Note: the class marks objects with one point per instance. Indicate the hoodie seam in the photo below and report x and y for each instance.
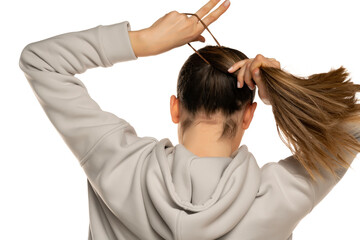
(84, 159)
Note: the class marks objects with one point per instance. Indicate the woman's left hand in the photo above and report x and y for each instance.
(174, 30)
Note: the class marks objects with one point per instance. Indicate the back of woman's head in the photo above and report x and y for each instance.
(316, 117)
(209, 88)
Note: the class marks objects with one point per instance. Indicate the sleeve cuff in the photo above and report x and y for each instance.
(116, 42)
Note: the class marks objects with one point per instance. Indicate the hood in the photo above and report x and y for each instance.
(202, 197)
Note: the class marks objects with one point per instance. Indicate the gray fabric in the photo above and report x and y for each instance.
(142, 188)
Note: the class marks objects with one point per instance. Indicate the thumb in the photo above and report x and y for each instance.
(200, 38)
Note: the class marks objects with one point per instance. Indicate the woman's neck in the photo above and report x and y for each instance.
(202, 140)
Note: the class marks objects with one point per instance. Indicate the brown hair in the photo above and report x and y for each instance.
(311, 113)
(205, 89)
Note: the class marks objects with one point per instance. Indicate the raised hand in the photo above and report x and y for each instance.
(174, 30)
(250, 73)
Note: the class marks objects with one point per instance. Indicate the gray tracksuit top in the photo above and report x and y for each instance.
(142, 188)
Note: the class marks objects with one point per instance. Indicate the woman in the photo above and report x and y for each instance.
(206, 187)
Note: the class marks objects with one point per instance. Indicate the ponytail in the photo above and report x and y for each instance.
(311, 116)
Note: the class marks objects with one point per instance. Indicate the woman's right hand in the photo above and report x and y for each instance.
(250, 73)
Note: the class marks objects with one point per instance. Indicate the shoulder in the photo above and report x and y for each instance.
(287, 185)
(121, 143)
(284, 198)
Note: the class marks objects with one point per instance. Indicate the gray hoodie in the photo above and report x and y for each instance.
(142, 188)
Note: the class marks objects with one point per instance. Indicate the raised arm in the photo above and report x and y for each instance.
(109, 151)
(50, 66)
(319, 119)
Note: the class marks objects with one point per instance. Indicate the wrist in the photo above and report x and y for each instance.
(140, 43)
(136, 42)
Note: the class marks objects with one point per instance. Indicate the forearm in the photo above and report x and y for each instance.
(75, 52)
(50, 66)
(140, 43)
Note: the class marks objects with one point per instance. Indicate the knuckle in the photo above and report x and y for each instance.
(173, 13)
(183, 17)
(193, 20)
(259, 57)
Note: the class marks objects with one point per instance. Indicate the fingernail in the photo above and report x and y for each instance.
(231, 68)
(238, 85)
(226, 3)
(251, 88)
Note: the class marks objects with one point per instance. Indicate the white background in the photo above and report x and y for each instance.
(43, 188)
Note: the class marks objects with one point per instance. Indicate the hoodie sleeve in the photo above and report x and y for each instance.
(291, 194)
(50, 65)
(107, 147)
(323, 186)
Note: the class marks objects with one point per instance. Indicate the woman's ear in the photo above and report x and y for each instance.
(248, 115)
(174, 109)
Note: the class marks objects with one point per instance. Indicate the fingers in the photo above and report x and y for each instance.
(249, 68)
(244, 74)
(260, 60)
(249, 73)
(237, 65)
(212, 17)
(206, 8)
(275, 63)
(241, 74)
(247, 77)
